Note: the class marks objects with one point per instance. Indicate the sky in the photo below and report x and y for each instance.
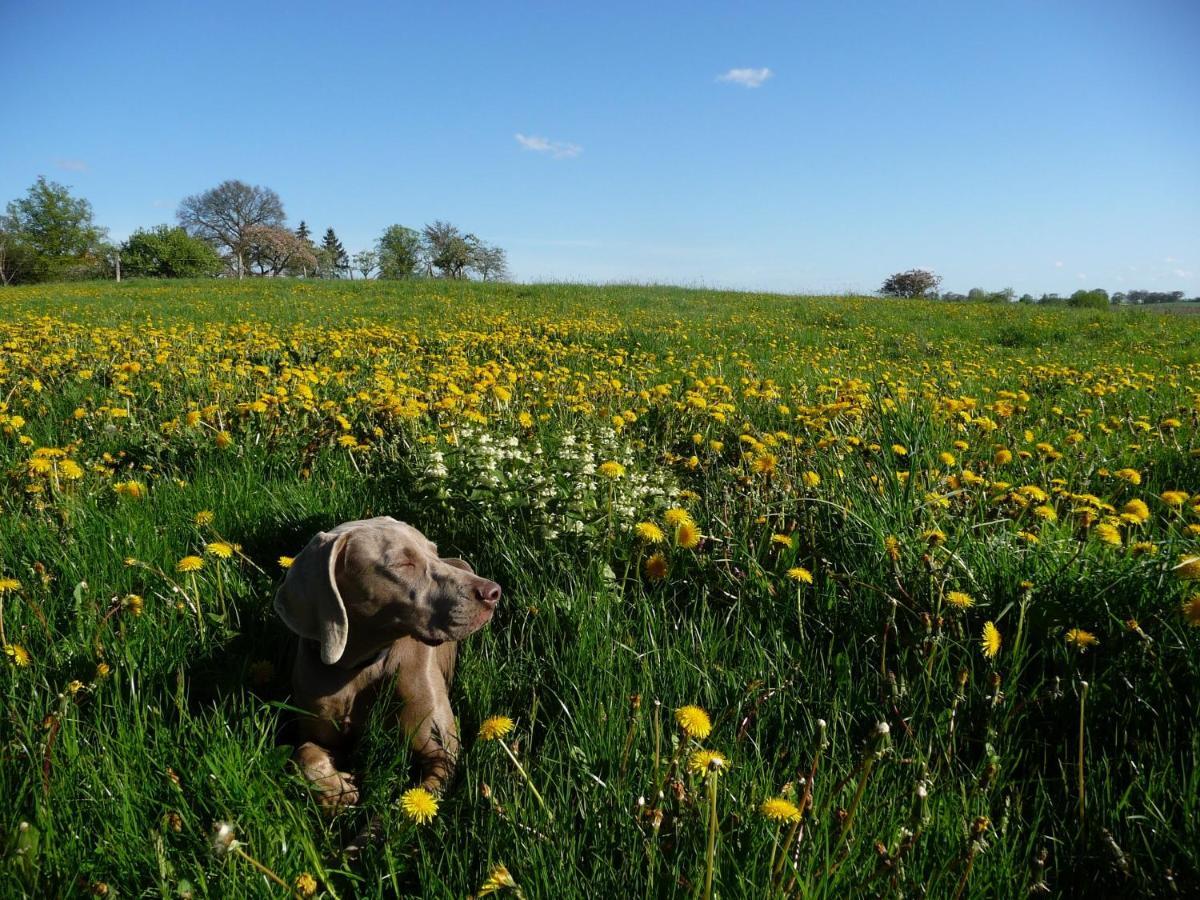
(1043, 145)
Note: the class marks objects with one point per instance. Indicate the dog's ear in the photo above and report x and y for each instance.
(309, 601)
(458, 563)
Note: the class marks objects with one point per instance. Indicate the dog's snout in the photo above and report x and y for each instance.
(488, 593)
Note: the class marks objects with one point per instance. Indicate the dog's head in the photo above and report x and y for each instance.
(364, 584)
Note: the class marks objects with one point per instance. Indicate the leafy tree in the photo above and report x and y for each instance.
(166, 252)
(274, 250)
(1026, 298)
(913, 283)
(18, 263)
(366, 261)
(977, 295)
(1093, 299)
(447, 249)
(52, 235)
(332, 261)
(225, 214)
(400, 252)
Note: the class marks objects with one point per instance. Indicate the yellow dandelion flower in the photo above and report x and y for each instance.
(103, 670)
(764, 463)
(891, 544)
(649, 532)
(687, 535)
(779, 809)
(800, 575)
(1136, 511)
(1081, 639)
(223, 439)
(1002, 457)
(1191, 610)
(1046, 513)
(810, 479)
(133, 603)
(285, 562)
(656, 567)
(694, 722)
(1174, 498)
(17, 655)
(305, 885)
(70, 469)
(9, 584)
(960, 599)
(934, 536)
(782, 540)
(990, 640)
(189, 564)
(419, 805)
(132, 489)
(204, 517)
(611, 469)
(1028, 537)
(495, 727)
(525, 420)
(221, 549)
(1133, 476)
(1188, 568)
(946, 458)
(707, 762)
(676, 516)
(899, 450)
(497, 879)
(1107, 534)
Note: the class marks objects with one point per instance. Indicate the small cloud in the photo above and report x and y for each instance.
(749, 78)
(1082, 276)
(1183, 273)
(72, 165)
(1170, 259)
(162, 204)
(557, 149)
(1058, 264)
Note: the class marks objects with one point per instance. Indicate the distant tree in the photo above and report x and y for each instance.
(977, 295)
(332, 260)
(366, 261)
(447, 249)
(225, 214)
(18, 263)
(490, 262)
(400, 252)
(273, 250)
(913, 283)
(303, 233)
(1050, 299)
(1093, 299)
(1119, 297)
(166, 252)
(952, 297)
(1026, 298)
(53, 235)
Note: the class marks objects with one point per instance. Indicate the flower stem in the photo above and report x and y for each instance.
(528, 780)
(1083, 692)
(711, 852)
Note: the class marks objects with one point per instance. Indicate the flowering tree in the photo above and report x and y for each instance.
(272, 250)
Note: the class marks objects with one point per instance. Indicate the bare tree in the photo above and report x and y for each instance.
(274, 250)
(366, 261)
(490, 262)
(225, 214)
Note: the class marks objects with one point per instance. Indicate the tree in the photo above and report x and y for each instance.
(275, 250)
(166, 252)
(366, 262)
(1026, 298)
(332, 260)
(489, 261)
(53, 234)
(303, 233)
(447, 249)
(224, 215)
(1093, 299)
(18, 262)
(913, 283)
(400, 252)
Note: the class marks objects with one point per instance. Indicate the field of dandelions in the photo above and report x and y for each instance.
(804, 597)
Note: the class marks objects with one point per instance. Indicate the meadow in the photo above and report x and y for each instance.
(806, 597)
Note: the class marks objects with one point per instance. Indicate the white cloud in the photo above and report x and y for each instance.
(1082, 276)
(557, 149)
(72, 165)
(1183, 273)
(749, 78)
(1058, 264)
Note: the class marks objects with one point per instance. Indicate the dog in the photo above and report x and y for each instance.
(371, 600)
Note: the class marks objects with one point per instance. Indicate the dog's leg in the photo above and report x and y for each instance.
(429, 721)
(335, 789)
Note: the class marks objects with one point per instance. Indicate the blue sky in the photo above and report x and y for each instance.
(1043, 145)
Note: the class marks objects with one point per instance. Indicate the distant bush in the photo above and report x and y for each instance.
(166, 252)
(913, 283)
(1093, 299)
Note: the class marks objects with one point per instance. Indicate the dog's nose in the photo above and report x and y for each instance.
(488, 593)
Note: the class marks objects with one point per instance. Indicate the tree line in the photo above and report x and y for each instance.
(923, 284)
(234, 229)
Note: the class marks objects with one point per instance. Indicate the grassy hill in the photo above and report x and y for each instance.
(937, 599)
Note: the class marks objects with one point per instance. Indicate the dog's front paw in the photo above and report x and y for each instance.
(335, 792)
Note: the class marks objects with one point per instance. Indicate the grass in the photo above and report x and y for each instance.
(814, 434)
